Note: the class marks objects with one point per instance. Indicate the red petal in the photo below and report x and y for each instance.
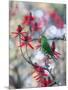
(45, 82)
(22, 33)
(19, 28)
(56, 56)
(57, 53)
(26, 22)
(22, 44)
(26, 17)
(29, 38)
(14, 32)
(45, 74)
(30, 45)
(16, 36)
(49, 82)
(38, 78)
(53, 46)
(23, 39)
(38, 46)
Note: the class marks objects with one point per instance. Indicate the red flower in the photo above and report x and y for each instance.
(46, 82)
(57, 19)
(28, 19)
(26, 41)
(39, 77)
(38, 68)
(56, 54)
(19, 31)
(36, 27)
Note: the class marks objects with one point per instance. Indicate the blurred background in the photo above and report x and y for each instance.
(20, 72)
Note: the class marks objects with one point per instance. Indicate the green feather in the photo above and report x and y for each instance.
(46, 47)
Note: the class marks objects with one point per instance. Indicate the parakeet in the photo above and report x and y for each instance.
(46, 48)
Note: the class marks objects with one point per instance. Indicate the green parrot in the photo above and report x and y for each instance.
(46, 48)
